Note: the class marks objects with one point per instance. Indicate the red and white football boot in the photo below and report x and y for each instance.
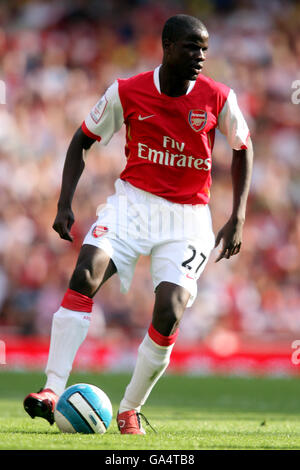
(129, 422)
(41, 404)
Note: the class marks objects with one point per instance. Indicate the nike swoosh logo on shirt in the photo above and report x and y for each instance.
(190, 277)
(141, 118)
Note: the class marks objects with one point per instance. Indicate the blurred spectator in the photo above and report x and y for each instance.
(57, 58)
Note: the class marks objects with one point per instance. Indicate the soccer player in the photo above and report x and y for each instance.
(159, 208)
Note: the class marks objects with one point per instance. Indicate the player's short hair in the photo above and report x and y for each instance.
(178, 25)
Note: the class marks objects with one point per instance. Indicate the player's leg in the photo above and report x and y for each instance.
(69, 327)
(153, 354)
(71, 322)
(170, 303)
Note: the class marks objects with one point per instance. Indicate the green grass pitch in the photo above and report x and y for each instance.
(188, 412)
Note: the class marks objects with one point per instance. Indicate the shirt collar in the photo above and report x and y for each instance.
(157, 83)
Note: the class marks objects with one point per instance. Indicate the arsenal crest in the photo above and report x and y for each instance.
(99, 231)
(197, 119)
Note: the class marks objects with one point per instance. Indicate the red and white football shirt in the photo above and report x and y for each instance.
(169, 140)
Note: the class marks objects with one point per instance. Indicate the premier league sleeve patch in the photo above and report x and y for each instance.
(98, 110)
(197, 119)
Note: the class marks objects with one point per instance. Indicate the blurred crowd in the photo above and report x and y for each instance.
(56, 59)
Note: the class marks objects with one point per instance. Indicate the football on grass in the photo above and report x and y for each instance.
(83, 408)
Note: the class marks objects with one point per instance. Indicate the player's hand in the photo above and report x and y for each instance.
(63, 223)
(231, 236)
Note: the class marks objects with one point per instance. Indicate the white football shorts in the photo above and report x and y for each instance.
(178, 237)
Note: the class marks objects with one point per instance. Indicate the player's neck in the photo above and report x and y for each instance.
(171, 85)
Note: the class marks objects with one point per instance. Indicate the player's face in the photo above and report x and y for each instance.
(186, 56)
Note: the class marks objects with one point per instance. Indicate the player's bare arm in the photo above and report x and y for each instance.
(231, 233)
(73, 168)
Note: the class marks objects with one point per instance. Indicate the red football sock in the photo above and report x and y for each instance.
(73, 300)
(160, 339)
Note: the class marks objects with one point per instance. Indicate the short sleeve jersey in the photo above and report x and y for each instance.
(169, 140)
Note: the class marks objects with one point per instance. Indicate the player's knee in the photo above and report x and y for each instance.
(166, 320)
(169, 307)
(84, 281)
(179, 300)
(168, 316)
(171, 313)
(174, 304)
